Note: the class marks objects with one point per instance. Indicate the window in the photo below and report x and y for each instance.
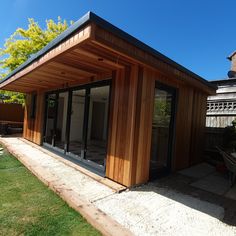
(33, 106)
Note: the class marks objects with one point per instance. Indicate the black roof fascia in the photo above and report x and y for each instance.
(224, 81)
(91, 17)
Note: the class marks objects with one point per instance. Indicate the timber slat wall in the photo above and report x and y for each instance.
(183, 126)
(190, 123)
(33, 127)
(143, 128)
(129, 153)
(198, 127)
(121, 132)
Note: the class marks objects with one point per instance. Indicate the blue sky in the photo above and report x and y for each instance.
(197, 34)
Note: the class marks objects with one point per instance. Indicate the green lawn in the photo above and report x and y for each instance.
(28, 207)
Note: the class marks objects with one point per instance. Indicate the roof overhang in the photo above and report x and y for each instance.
(88, 50)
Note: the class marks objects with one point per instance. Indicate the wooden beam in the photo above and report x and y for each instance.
(100, 61)
(48, 71)
(30, 85)
(71, 69)
(16, 88)
(116, 58)
(35, 79)
(39, 75)
(62, 78)
(73, 60)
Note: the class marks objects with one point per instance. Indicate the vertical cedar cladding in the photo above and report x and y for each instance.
(122, 125)
(33, 125)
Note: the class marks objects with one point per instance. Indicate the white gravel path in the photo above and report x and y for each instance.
(150, 210)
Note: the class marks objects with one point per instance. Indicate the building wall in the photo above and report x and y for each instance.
(131, 124)
(120, 157)
(131, 131)
(221, 108)
(33, 127)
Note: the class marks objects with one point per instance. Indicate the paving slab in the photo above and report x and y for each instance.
(198, 171)
(231, 193)
(214, 183)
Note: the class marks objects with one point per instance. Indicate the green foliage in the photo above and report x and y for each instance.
(23, 43)
(230, 137)
(162, 111)
(12, 97)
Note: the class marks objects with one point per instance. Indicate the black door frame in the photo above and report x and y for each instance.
(172, 128)
(65, 152)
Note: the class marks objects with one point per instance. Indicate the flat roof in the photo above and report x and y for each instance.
(92, 17)
(227, 81)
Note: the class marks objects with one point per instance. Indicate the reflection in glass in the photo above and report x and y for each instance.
(60, 132)
(50, 118)
(76, 122)
(161, 124)
(97, 124)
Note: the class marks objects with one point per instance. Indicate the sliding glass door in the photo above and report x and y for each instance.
(62, 111)
(162, 130)
(50, 122)
(76, 122)
(97, 124)
(76, 143)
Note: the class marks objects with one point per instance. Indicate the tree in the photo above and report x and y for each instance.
(22, 44)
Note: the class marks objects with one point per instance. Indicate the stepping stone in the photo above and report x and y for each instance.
(198, 171)
(214, 183)
(231, 193)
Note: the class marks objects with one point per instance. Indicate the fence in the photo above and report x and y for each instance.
(219, 121)
(213, 137)
(11, 112)
(11, 118)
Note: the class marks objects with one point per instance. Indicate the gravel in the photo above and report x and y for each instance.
(151, 210)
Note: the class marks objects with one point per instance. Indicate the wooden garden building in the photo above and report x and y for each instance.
(103, 99)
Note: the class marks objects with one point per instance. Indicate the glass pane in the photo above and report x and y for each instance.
(161, 130)
(77, 121)
(97, 124)
(60, 133)
(50, 118)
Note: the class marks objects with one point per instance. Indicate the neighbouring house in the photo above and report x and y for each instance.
(103, 99)
(221, 107)
(11, 117)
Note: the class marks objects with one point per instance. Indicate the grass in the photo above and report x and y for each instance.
(28, 207)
